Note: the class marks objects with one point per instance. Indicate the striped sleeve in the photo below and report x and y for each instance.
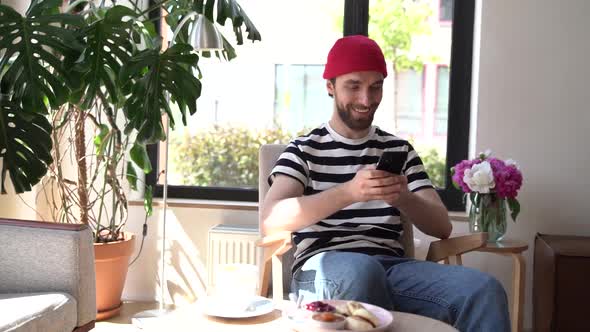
(415, 172)
(291, 163)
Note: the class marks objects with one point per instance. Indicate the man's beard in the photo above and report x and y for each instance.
(346, 115)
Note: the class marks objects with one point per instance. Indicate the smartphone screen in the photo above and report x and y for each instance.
(392, 161)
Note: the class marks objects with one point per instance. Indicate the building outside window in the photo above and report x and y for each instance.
(409, 111)
(446, 11)
(300, 97)
(441, 112)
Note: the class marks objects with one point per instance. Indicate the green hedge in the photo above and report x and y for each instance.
(435, 166)
(228, 156)
(222, 156)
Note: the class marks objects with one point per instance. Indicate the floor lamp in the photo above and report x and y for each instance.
(204, 36)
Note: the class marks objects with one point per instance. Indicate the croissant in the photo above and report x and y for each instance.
(357, 323)
(342, 309)
(357, 309)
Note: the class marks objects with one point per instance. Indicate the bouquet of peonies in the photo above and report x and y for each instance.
(489, 175)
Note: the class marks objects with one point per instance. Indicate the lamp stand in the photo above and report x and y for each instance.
(204, 37)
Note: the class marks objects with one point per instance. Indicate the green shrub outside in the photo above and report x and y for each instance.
(226, 156)
(223, 156)
(435, 166)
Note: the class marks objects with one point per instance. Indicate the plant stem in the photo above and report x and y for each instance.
(102, 193)
(58, 165)
(80, 143)
(112, 163)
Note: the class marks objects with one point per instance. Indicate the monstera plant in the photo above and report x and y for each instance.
(85, 85)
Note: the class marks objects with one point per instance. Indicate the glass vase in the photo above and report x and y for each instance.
(488, 214)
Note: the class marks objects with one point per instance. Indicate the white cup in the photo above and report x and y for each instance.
(236, 280)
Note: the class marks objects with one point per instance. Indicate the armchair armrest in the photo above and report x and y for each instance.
(275, 245)
(283, 237)
(455, 246)
(49, 257)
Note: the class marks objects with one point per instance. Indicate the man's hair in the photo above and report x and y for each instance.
(333, 80)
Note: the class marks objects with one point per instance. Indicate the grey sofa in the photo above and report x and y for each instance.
(47, 278)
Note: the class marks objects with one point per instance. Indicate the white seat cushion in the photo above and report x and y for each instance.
(36, 312)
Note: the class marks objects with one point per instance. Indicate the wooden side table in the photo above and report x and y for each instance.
(513, 249)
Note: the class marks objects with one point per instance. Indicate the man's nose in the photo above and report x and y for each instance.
(364, 99)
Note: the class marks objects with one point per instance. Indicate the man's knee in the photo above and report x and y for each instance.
(485, 286)
(364, 272)
(341, 274)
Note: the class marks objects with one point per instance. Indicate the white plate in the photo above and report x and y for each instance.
(301, 325)
(235, 307)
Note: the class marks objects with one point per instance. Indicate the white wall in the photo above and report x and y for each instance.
(186, 251)
(533, 107)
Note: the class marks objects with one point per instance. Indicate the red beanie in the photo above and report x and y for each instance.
(354, 53)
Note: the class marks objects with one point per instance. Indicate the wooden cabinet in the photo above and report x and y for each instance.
(561, 283)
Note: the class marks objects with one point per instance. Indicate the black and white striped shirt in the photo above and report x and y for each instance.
(323, 159)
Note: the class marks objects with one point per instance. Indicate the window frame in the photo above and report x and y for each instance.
(356, 21)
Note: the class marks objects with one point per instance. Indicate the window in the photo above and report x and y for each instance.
(446, 11)
(441, 111)
(409, 116)
(300, 97)
(274, 90)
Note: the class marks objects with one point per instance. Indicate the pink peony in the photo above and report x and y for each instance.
(507, 177)
(509, 181)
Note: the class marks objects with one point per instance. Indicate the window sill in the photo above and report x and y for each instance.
(460, 216)
(201, 204)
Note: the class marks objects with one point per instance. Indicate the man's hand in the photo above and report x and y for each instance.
(424, 207)
(372, 184)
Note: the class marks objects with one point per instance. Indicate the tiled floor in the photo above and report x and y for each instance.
(122, 323)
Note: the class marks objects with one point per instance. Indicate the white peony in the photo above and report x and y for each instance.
(510, 162)
(480, 177)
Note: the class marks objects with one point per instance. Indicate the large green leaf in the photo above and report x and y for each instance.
(35, 44)
(109, 45)
(514, 206)
(231, 9)
(140, 157)
(25, 145)
(154, 75)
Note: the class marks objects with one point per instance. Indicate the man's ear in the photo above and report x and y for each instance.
(330, 87)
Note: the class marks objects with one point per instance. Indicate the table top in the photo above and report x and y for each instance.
(505, 246)
(189, 319)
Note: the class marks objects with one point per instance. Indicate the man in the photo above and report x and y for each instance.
(345, 213)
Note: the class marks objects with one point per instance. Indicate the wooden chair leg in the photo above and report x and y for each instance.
(517, 291)
(277, 279)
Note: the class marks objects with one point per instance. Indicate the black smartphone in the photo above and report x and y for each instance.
(392, 161)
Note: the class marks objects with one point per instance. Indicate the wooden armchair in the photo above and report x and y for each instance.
(278, 247)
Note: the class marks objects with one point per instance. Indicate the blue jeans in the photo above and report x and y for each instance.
(468, 299)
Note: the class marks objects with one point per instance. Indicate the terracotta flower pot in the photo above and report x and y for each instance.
(111, 260)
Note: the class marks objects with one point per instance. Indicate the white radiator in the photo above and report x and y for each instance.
(231, 244)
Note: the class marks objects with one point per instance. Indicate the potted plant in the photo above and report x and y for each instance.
(84, 86)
